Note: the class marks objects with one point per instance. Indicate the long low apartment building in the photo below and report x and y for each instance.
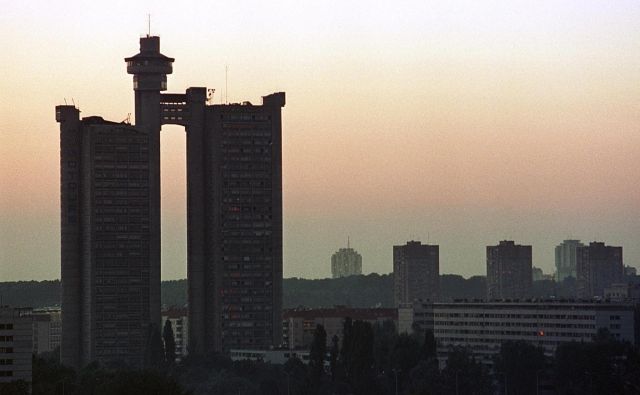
(484, 326)
(299, 325)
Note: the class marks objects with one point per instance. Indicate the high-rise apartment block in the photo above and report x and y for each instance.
(598, 267)
(110, 198)
(566, 259)
(508, 271)
(107, 271)
(416, 272)
(16, 336)
(346, 262)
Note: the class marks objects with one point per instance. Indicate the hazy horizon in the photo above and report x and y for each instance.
(460, 123)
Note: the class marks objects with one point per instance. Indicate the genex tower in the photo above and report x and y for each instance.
(110, 217)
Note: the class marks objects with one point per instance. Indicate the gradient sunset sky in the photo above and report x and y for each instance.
(459, 123)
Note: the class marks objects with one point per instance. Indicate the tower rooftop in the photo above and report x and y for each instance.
(149, 50)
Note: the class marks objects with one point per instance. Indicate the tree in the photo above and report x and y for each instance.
(347, 344)
(429, 346)
(49, 376)
(361, 360)
(519, 362)
(317, 354)
(169, 343)
(296, 376)
(404, 357)
(333, 357)
(154, 351)
(384, 337)
(19, 387)
(425, 379)
(602, 366)
(464, 375)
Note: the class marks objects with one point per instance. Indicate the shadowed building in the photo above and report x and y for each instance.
(508, 271)
(416, 272)
(566, 259)
(482, 327)
(47, 327)
(110, 190)
(598, 267)
(107, 273)
(16, 337)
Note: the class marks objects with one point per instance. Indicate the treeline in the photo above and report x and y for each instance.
(356, 291)
(30, 293)
(371, 360)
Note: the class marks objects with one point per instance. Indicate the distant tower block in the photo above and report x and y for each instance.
(346, 262)
(509, 271)
(416, 272)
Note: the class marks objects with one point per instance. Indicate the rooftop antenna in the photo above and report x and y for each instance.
(72, 101)
(226, 84)
(348, 242)
(65, 101)
(148, 25)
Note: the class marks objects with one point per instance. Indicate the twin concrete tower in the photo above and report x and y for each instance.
(110, 197)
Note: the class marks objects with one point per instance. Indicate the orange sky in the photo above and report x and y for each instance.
(461, 123)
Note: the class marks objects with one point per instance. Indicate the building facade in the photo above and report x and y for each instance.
(484, 326)
(108, 302)
(598, 267)
(346, 262)
(566, 259)
(299, 325)
(416, 272)
(110, 201)
(47, 330)
(16, 337)
(509, 271)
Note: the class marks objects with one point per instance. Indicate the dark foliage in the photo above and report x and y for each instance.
(453, 286)
(30, 293)
(333, 358)
(154, 349)
(317, 355)
(464, 375)
(603, 366)
(174, 292)
(52, 378)
(519, 363)
(356, 291)
(19, 387)
(169, 343)
(429, 345)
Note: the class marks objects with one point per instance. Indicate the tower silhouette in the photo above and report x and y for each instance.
(111, 256)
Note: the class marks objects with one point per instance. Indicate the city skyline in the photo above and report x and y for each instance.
(458, 125)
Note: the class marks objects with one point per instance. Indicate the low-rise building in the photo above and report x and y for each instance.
(47, 329)
(299, 324)
(484, 326)
(623, 292)
(16, 338)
